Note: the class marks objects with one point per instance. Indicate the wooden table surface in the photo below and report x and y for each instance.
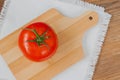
(108, 66)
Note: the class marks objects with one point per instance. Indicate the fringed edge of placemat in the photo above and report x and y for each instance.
(3, 12)
(2, 17)
(85, 4)
(100, 41)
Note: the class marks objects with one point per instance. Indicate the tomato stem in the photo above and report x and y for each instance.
(40, 39)
(33, 30)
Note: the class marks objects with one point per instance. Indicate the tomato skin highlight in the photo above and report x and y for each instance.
(32, 50)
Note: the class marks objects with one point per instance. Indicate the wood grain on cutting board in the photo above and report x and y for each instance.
(69, 31)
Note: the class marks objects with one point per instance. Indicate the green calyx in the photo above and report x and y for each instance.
(40, 39)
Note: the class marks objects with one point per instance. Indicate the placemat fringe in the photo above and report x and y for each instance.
(3, 12)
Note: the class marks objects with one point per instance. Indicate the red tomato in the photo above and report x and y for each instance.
(38, 41)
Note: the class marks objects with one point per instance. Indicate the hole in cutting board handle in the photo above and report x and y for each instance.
(90, 18)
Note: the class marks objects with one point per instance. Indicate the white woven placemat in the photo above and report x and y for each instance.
(92, 42)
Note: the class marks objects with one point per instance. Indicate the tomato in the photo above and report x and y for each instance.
(38, 41)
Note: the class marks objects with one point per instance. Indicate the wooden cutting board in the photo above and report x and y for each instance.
(69, 31)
